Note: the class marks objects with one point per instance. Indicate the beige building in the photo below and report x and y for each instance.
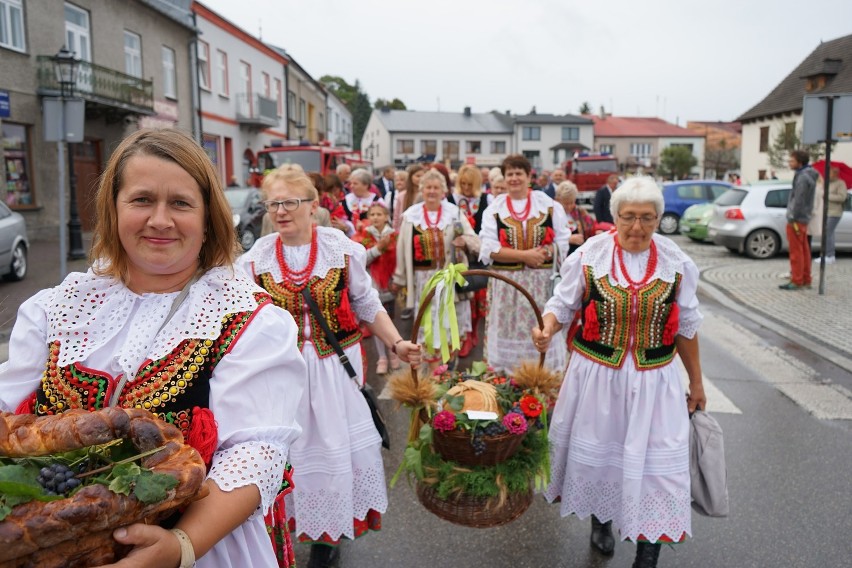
(306, 104)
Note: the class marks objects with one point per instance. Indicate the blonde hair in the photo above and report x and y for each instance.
(565, 190)
(470, 174)
(433, 174)
(108, 257)
(292, 179)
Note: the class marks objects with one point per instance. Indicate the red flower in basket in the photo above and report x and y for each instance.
(515, 423)
(531, 406)
(445, 421)
(549, 236)
(418, 249)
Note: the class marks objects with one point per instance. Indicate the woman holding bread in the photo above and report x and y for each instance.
(162, 322)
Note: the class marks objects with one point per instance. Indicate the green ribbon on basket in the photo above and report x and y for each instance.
(444, 298)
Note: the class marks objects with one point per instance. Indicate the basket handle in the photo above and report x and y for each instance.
(477, 272)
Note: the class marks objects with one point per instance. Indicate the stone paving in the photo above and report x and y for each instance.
(753, 285)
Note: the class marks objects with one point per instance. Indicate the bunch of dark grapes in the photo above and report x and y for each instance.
(57, 479)
(494, 429)
(478, 444)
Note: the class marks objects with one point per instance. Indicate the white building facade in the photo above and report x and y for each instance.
(548, 140)
(339, 122)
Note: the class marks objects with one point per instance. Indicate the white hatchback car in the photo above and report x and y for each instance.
(753, 220)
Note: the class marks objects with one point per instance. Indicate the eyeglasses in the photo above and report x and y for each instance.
(288, 204)
(645, 220)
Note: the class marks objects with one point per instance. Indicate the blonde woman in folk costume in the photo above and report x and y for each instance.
(338, 471)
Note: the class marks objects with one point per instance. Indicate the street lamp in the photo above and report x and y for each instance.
(65, 65)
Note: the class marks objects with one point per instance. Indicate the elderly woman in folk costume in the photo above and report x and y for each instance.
(523, 234)
(338, 472)
(433, 235)
(357, 202)
(620, 429)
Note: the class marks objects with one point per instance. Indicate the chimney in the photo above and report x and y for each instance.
(386, 108)
(467, 111)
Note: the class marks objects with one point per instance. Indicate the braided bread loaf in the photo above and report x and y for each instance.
(77, 531)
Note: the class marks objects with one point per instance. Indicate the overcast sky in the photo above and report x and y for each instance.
(677, 59)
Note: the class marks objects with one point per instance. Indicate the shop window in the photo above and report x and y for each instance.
(18, 190)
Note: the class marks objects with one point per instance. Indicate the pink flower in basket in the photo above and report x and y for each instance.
(445, 421)
(515, 423)
(440, 370)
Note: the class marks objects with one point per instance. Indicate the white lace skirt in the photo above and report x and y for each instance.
(620, 449)
(421, 278)
(337, 463)
(510, 319)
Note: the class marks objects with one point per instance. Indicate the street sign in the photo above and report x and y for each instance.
(5, 106)
(815, 118)
(73, 121)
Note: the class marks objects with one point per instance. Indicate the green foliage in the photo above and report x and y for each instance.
(153, 487)
(585, 108)
(394, 104)
(355, 100)
(676, 162)
(721, 158)
(787, 139)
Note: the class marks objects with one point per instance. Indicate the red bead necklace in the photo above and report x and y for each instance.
(297, 279)
(649, 271)
(525, 213)
(429, 223)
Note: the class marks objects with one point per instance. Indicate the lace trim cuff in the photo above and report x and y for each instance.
(251, 463)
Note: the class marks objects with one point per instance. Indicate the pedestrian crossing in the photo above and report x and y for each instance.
(820, 397)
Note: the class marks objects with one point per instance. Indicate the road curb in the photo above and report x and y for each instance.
(719, 294)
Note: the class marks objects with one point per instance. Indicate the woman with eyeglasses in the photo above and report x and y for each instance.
(338, 472)
(620, 429)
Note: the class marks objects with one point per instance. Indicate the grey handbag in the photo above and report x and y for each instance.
(707, 471)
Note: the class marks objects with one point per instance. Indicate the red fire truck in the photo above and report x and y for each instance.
(589, 173)
(319, 158)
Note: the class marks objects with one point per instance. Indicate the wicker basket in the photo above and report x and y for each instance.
(474, 512)
(455, 445)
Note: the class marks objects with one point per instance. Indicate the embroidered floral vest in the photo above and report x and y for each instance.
(427, 247)
(609, 331)
(331, 293)
(511, 234)
(174, 388)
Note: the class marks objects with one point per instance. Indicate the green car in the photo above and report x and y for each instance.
(695, 219)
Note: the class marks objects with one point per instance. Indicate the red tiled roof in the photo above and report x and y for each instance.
(638, 127)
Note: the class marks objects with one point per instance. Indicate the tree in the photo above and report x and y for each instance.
(676, 162)
(787, 139)
(355, 100)
(395, 104)
(720, 158)
(585, 108)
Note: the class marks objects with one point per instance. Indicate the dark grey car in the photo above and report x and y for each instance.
(248, 213)
(13, 244)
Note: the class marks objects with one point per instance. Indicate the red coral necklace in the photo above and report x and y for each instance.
(296, 280)
(525, 213)
(429, 223)
(649, 271)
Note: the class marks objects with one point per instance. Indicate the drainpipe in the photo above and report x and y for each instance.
(195, 85)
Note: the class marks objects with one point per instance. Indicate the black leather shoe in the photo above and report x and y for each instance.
(323, 556)
(646, 555)
(602, 538)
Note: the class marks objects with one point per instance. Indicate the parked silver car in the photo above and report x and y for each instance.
(13, 244)
(753, 220)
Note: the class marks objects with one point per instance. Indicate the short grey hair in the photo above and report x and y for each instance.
(566, 190)
(363, 176)
(639, 189)
(433, 174)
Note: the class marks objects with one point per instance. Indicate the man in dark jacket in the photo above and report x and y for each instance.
(602, 197)
(800, 206)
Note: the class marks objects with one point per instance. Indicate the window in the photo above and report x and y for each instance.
(789, 135)
(473, 147)
(429, 147)
(498, 147)
(245, 85)
(764, 139)
(405, 146)
(278, 98)
(222, 72)
(687, 146)
(266, 84)
(12, 25)
(691, 192)
(169, 73)
(777, 198)
(640, 150)
(761, 174)
(450, 149)
(320, 122)
(606, 148)
(303, 112)
(291, 105)
(531, 133)
(204, 65)
(18, 189)
(77, 36)
(132, 54)
(534, 156)
(570, 133)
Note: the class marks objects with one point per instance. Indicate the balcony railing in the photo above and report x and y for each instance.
(100, 84)
(255, 110)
